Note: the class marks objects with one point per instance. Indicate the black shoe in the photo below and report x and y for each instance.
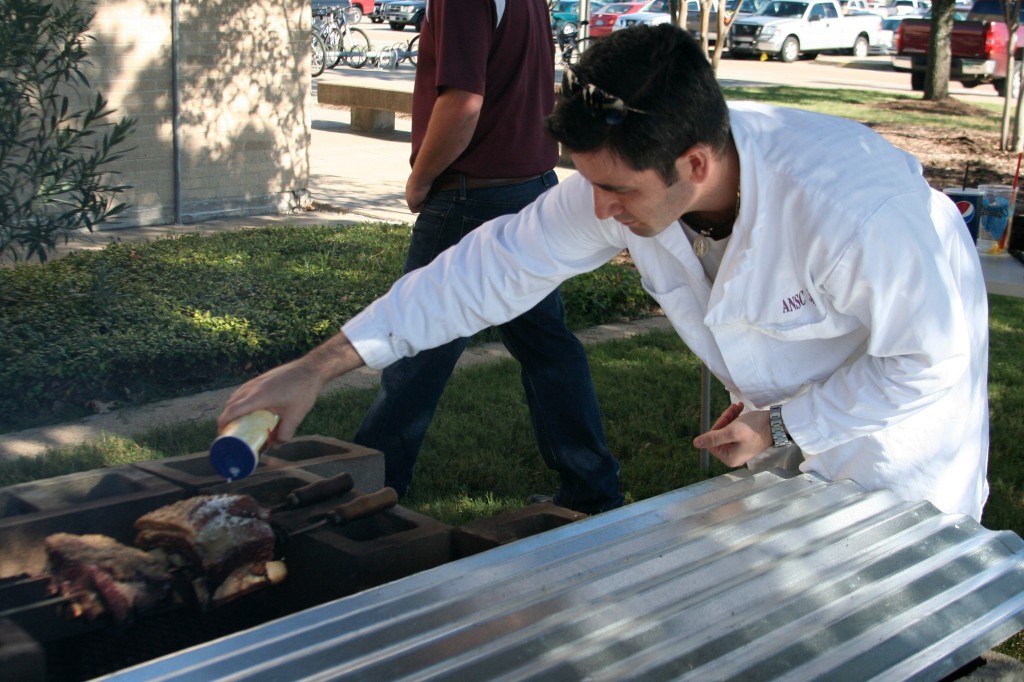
(541, 499)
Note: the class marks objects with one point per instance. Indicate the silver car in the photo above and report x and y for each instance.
(886, 36)
(656, 12)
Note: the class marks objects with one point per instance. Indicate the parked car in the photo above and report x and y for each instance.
(405, 13)
(654, 12)
(978, 45)
(734, 9)
(898, 63)
(360, 8)
(913, 7)
(354, 9)
(337, 5)
(788, 29)
(886, 36)
(377, 16)
(565, 15)
(863, 7)
(602, 21)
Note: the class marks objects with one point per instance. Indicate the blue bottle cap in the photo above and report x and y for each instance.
(232, 457)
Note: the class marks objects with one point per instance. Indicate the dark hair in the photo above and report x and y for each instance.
(661, 71)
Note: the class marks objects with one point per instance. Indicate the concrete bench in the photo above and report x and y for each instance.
(373, 109)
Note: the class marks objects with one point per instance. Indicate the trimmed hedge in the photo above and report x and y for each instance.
(139, 322)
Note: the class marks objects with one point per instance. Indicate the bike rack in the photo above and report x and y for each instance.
(390, 57)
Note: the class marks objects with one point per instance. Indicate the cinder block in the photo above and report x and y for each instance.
(21, 657)
(332, 562)
(105, 501)
(318, 455)
(269, 488)
(516, 524)
(326, 457)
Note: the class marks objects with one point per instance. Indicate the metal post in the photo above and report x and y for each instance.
(705, 413)
(176, 111)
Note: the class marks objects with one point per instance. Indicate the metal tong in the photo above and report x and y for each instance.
(347, 512)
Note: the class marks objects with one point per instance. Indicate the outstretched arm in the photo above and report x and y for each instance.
(290, 391)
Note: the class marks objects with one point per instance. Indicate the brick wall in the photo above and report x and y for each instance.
(245, 104)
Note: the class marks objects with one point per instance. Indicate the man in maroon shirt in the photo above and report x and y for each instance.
(484, 85)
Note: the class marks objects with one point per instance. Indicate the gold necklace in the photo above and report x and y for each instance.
(701, 245)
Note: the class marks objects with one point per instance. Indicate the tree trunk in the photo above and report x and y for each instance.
(720, 37)
(705, 23)
(1019, 139)
(936, 84)
(1007, 93)
(1011, 14)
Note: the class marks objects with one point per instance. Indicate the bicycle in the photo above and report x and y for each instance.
(344, 44)
(411, 50)
(571, 47)
(318, 54)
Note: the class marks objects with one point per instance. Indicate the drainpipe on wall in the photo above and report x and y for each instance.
(176, 113)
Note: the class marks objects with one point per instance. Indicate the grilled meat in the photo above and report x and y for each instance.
(213, 534)
(97, 574)
(249, 578)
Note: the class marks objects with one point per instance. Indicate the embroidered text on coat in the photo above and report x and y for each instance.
(797, 301)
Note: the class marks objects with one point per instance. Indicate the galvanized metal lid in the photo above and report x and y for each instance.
(745, 576)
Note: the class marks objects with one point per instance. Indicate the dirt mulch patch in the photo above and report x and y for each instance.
(946, 154)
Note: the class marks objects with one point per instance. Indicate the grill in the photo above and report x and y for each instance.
(747, 32)
(323, 564)
(99, 649)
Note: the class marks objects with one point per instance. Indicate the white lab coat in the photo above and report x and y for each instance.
(849, 292)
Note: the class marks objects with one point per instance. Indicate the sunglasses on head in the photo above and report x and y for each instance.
(598, 101)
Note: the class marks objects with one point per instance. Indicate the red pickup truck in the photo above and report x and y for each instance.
(978, 47)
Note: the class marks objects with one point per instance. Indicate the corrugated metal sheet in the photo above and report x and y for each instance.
(741, 577)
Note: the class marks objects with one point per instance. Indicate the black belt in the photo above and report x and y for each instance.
(450, 181)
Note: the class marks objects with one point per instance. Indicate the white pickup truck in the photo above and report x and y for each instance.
(788, 28)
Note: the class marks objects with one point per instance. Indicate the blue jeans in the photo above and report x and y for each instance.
(555, 373)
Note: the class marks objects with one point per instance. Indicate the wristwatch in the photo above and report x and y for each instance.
(780, 436)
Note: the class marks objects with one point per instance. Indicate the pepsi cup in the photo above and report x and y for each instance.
(997, 208)
(968, 200)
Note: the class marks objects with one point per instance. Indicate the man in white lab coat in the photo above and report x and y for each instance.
(803, 258)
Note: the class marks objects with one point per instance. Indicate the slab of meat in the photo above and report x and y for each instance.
(98, 574)
(214, 534)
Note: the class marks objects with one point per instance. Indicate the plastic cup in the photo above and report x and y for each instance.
(968, 201)
(997, 209)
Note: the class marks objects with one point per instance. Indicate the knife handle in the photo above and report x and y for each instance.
(364, 505)
(320, 490)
